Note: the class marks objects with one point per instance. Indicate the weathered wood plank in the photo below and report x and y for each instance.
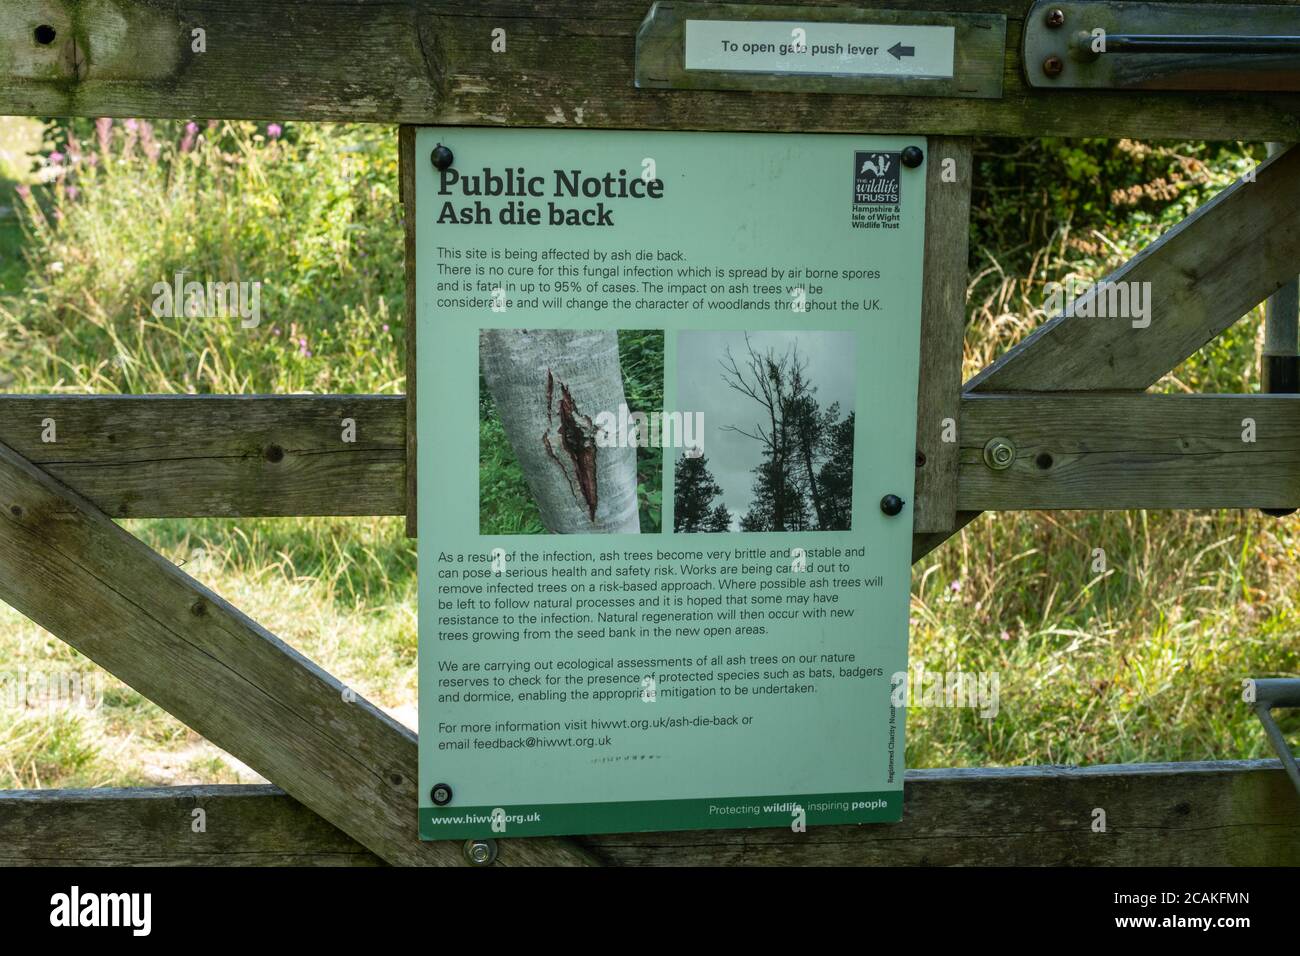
(1242, 813)
(943, 330)
(431, 62)
(1185, 814)
(189, 456)
(406, 163)
(239, 826)
(72, 570)
(236, 456)
(1203, 275)
(1095, 451)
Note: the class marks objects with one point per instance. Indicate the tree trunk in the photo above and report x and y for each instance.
(778, 468)
(549, 386)
(805, 442)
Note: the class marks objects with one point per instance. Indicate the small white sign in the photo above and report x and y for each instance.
(837, 49)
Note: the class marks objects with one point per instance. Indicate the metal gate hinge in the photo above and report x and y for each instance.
(1109, 44)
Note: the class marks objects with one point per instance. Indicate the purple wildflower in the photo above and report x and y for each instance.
(104, 133)
(150, 145)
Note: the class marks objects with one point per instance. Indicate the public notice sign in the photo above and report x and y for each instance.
(666, 401)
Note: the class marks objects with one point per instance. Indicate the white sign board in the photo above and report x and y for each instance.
(833, 49)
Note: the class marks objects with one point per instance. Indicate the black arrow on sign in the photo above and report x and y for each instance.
(901, 51)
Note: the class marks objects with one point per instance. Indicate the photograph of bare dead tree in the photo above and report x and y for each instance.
(778, 410)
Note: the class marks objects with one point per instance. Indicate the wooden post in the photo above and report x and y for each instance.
(406, 173)
(943, 331)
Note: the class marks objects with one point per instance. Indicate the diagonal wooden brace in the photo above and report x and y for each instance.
(72, 570)
(1205, 274)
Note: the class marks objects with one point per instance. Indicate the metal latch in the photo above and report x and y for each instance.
(1100, 44)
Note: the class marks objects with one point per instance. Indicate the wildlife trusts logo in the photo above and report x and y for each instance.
(875, 178)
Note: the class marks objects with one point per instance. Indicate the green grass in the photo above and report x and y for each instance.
(1141, 662)
(12, 266)
(20, 139)
(340, 591)
(232, 204)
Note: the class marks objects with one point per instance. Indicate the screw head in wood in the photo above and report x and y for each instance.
(440, 794)
(441, 157)
(999, 454)
(913, 157)
(481, 852)
(892, 505)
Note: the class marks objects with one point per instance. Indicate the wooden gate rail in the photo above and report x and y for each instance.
(158, 456)
(567, 64)
(146, 456)
(1204, 274)
(1182, 814)
(240, 825)
(1112, 451)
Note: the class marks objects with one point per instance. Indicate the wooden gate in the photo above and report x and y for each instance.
(1070, 402)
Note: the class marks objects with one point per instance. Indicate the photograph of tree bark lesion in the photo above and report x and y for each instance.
(545, 467)
(778, 425)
